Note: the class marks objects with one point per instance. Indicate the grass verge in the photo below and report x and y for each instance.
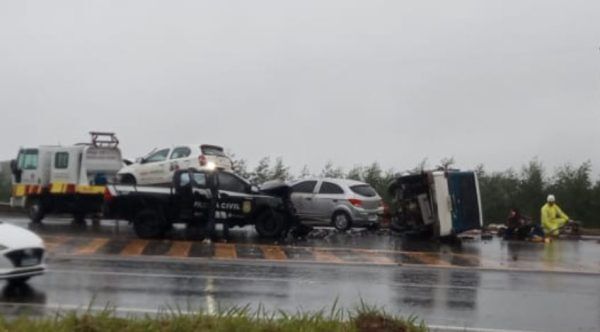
(362, 319)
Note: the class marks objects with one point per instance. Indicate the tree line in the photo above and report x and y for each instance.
(526, 189)
(576, 190)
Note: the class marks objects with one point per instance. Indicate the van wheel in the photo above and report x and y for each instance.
(35, 211)
(341, 221)
(270, 223)
(128, 179)
(150, 224)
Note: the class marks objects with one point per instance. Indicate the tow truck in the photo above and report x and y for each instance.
(199, 199)
(65, 179)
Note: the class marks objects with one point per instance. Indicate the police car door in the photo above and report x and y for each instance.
(197, 197)
(234, 199)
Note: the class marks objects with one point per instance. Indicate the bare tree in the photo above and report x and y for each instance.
(329, 171)
(446, 163)
(279, 171)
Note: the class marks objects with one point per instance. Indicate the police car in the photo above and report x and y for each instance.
(158, 166)
(198, 198)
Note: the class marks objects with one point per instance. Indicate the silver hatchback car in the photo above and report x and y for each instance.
(338, 202)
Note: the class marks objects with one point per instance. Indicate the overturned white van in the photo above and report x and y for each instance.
(65, 179)
(436, 203)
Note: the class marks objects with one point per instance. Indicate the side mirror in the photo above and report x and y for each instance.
(139, 160)
(254, 189)
(14, 167)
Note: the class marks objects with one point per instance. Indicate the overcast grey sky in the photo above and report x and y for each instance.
(496, 82)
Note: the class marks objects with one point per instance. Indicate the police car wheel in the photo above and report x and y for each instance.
(149, 224)
(270, 223)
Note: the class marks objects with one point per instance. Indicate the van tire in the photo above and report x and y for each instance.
(269, 223)
(150, 224)
(341, 221)
(35, 211)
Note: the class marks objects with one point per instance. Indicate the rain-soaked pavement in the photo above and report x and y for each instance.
(477, 284)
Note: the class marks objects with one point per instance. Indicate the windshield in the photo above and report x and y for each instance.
(28, 159)
(211, 150)
(364, 190)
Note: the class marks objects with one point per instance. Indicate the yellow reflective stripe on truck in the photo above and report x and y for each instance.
(69, 188)
(90, 190)
(57, 188)
(19, 190)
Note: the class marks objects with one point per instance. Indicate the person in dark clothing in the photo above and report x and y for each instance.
(521, 228)
(212, 182)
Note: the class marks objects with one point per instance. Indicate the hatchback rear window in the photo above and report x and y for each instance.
(364, 190)
(211, 150)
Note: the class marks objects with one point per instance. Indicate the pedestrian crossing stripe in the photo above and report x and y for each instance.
(86, 246)
(225, 251)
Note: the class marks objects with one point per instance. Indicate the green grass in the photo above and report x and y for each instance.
(361, 319)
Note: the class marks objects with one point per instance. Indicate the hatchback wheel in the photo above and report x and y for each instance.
(341, 221)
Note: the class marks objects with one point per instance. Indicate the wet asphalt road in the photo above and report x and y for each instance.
(499, 298)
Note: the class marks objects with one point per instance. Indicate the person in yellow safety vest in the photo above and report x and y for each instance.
(553, 218)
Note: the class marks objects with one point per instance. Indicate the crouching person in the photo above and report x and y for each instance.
(553, 217)
(519, 227)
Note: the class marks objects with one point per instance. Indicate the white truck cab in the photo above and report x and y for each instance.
(65, 179)
(158, 166)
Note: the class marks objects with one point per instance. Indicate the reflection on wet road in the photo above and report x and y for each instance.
(445, 285)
